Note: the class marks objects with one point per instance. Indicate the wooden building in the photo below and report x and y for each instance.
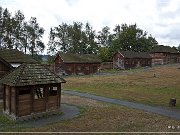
(15, 57)
(5, 68)
(130, 59)
(11, 59)
(162, 55)
(82, 64)
(31, 90)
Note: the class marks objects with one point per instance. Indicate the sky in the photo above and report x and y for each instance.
(160, 18)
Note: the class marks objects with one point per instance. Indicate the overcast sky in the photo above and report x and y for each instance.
(160, 18)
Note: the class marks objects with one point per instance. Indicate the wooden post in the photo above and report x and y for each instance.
(74, 68)
(4, 97)
(16, 101)
(32, 99)
(46, 88)
(10, 100)
(59, 95)
(172, 102)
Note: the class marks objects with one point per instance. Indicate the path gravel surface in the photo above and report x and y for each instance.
(169, 112)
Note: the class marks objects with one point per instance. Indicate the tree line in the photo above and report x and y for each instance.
(19, 34)
(82, 39)
(79, 38)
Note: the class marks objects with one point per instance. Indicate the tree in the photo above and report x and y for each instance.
(132, 38)
(35, 33)
(105, 54)
(6, 29)
(104, 37)
(18, 32)
(178, 48)
(92, 47)
(72, 38)
(59, 38)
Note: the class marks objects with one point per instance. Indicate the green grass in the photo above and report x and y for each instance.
(100, 117)
(5, 123)
(140, 87)
(112, 119)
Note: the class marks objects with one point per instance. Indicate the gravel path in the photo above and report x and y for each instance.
(172, 113)
(69, 112)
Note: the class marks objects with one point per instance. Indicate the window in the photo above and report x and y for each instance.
(53, 91)
(39, 93)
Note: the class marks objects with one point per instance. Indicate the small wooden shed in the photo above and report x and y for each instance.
(31, 90)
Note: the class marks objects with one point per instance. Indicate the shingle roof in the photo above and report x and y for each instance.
(79, 58)
(6, 63)
(15, 56)
(161, 48)
(31, 74)
(131, 54)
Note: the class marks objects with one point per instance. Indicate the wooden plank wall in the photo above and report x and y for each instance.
(13, 100)
(53, 103)
(39, 105)
(24, 105)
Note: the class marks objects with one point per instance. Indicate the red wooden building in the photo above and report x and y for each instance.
(31, 90)
(162, 55)
(66, 63)
(130, 59)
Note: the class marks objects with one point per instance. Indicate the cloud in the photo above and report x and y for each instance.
(71, 2)
(158, 17)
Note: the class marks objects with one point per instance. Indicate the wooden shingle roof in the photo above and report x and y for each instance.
(31, 74)
(79, 58)
(161, 48)
(131, 54)
(15, 56)
(5, 63)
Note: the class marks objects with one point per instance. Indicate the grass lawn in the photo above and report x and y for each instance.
(140, 86)
(100, 117)
(103, 117)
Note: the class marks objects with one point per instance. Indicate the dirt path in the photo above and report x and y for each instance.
(172, 113)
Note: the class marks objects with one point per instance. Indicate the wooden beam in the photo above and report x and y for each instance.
(17, 101)
(4, 97)
(46, 92)
(10, 100)
(32, 98)
(59, 95)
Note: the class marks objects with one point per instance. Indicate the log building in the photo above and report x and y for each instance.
(5, 68)
(130, 59)
(31, 90)
(162, 55)
(11, 59)
(67, 63)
